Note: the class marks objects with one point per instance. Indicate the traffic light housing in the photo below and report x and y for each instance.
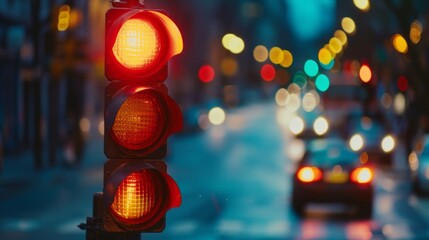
(137, 195)
(139, 44)
(139, 118)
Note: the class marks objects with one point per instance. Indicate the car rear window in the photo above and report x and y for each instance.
(332, 156)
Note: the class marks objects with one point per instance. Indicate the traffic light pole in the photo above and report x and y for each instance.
(139, 117)
(94, 225)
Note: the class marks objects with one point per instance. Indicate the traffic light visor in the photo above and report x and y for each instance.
(139, 121)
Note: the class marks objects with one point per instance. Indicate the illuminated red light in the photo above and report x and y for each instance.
(362, 175)
(365, 73)
(139, 44)
(268, 72)
(136, 198)
(402, 83)
(206, 73)
(309, 174)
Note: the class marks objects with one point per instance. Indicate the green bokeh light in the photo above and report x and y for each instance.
(300, 79)
(322, 83)
(311, 68)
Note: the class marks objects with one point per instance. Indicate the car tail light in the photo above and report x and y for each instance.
(309, 174)
(362, 175)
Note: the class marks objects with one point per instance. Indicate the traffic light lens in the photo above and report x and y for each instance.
(136, 197)
(138, 121)
(137, 44)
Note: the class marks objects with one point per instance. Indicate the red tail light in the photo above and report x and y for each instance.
(362, 175)
(309, 174)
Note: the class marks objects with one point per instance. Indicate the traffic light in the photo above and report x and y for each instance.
(139, 118)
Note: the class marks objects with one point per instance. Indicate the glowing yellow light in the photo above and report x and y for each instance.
(63, 18)
(309, 102)
(356, 142)
(276, 55)
(335, 45)
(388, 143)
(137, 44)
(287, 59)
(348, 25)
(217, 116)
(233, 43)
(324, 56)
(226, 40)
(365, 73)
(296, 125)
(342, 36)
(363, 5)
(416, 32)
(400, 43)
(260, 53)
(321, 126)
(236, 45)
(282, 97)
(229, 67)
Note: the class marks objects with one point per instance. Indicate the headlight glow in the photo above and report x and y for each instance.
(356, 142)
(388, 143)
(296, 125)
(321, 126)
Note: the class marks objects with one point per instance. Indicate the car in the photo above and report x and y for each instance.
(419, 165)
(370, 133)
(330, 172)
(309, 125)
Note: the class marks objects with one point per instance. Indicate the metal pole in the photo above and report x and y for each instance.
(94, 225)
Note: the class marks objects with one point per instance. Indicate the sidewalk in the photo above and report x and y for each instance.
(19, 174)
(51, 202)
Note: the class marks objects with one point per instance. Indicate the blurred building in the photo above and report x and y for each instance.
(49, 51)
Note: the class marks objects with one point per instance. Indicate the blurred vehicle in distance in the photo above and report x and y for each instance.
(330, 172)
(309, 125)
(419, 164)
(371, 134)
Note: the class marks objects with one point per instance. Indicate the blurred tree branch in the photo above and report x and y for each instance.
(405, 12)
